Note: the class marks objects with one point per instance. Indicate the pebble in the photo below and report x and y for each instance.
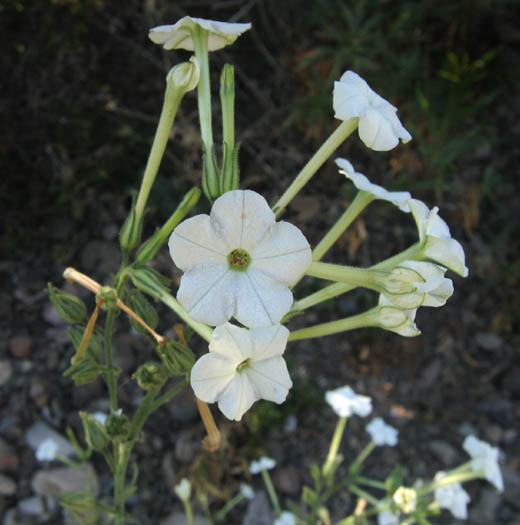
(6, 371)
(444, 452)
(8, 458)
(511, 381)
(40, 431)
(35, 506)
(186, 446)
(259, 511)
(484, 510)
(51, 315)
(499, 411)
(53, 481)
(20, 346)
(7, 486)
(287, 479)
(511, 486)
(489, 341)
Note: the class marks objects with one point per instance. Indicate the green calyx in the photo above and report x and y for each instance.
(239, 260)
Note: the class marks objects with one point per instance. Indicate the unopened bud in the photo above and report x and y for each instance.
(71, 308)
(140, 305)
(151, 376)
(176, 357)
(130, 233)
(95, 434)
(149, 281)
(109, 297)
(117, 426)
(83, 372)
(185, 76)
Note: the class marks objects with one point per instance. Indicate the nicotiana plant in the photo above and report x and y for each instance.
(241, 266)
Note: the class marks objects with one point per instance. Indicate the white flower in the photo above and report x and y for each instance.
(241, 367)
(180, 34)
(247, 491)
(286, 518)
(398, 198)
(238, 262)
(484, 459)
(263, 463)
(379, 128)
(387, 517)
(406, 499)
(47, 450)
(417, 283)
(183, 489)
(395, 319)
(452, 497)
(100, 417)
(345, 402)
(438, 244)
(381, 433)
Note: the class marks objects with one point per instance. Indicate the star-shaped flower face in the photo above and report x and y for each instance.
(241, 367)
(484, 459)
(345, 402)
(238, 262)
(452, 497)
(264, 463)
(436, 238)
(379, 128)
(180, 34)
(398, 198)
(381, 433)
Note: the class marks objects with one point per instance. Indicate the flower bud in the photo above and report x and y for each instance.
(185, 76)
(95, 434)
(151, 376)
(406, 499)
(140, 305)
(183, 489)
(83, 372)
(176, 357)
(117, 426)
(71, 308)
(130, 233)
(149, 281)
(109, 297)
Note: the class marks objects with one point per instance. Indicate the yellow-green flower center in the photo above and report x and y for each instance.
(239, 260)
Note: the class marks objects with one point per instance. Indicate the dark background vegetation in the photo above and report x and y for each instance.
(81, 91)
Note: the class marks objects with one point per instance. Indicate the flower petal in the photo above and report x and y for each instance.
(232, 342)
(348, 102)
(376, 132)
(284, 255)
(194, 242)
(268, 341)
(270, 378)
(210, 375)
(237, 398)
(207, 293)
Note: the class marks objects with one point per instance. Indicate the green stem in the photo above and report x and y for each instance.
(172, 99)
(364, 277)
(361, 458)
(370, 482)
(450, 479)
(231, 504)
(334, 446)
(200, 40)
(111, 379)
(362, 494)
(271, 491)
(169, 395)
(315, 163)
(189, 512)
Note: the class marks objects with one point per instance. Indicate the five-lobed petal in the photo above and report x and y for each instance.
(381, 433)
(398, 198)
(379, 128)
(242, 366)
(345, 402)
(452, 497)
(484, 458)
(211, 290)
(180, 34)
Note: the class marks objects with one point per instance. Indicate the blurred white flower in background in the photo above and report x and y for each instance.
(345, 402)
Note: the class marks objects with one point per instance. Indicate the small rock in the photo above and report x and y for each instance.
(51, 315)
(39, 432)
(511, 381)
(6, 371)
(499, 411)
(7, 486)
(66, 479)
(20, 346)
(38, 391)
(291, 424)
(444, 452)
(489, 341)
(35, 506)
(186, 446)
(511, 486)
(178, 518)
(483, 511)
(287, 479)
(8, 458)
(259, 511)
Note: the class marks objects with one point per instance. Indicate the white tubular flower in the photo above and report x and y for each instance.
(183, 489)
(185, 76)
(398, 198)
(238, 262)
(180, 34)
(452, 497)
(378, 128)
(416, 283)
(381, 433)
(264, 463)
(406, 499)
(345, 402)
(286, 518)
(387, 517)
(246, 491)
(242, 366)
(484, 459)
(435, 236)
(47, 450)
(395, 319)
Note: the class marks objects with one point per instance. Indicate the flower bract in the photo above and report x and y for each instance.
(345, 402)
(264, 463)
(379, 128)
(452, 497)
(180, 34)
(435, 236)
(381, 433)
(484, 458)
(238, 262)
(241, 367)
(398, 198)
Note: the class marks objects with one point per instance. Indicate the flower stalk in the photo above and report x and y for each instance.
(329, 464)
(213, 440)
